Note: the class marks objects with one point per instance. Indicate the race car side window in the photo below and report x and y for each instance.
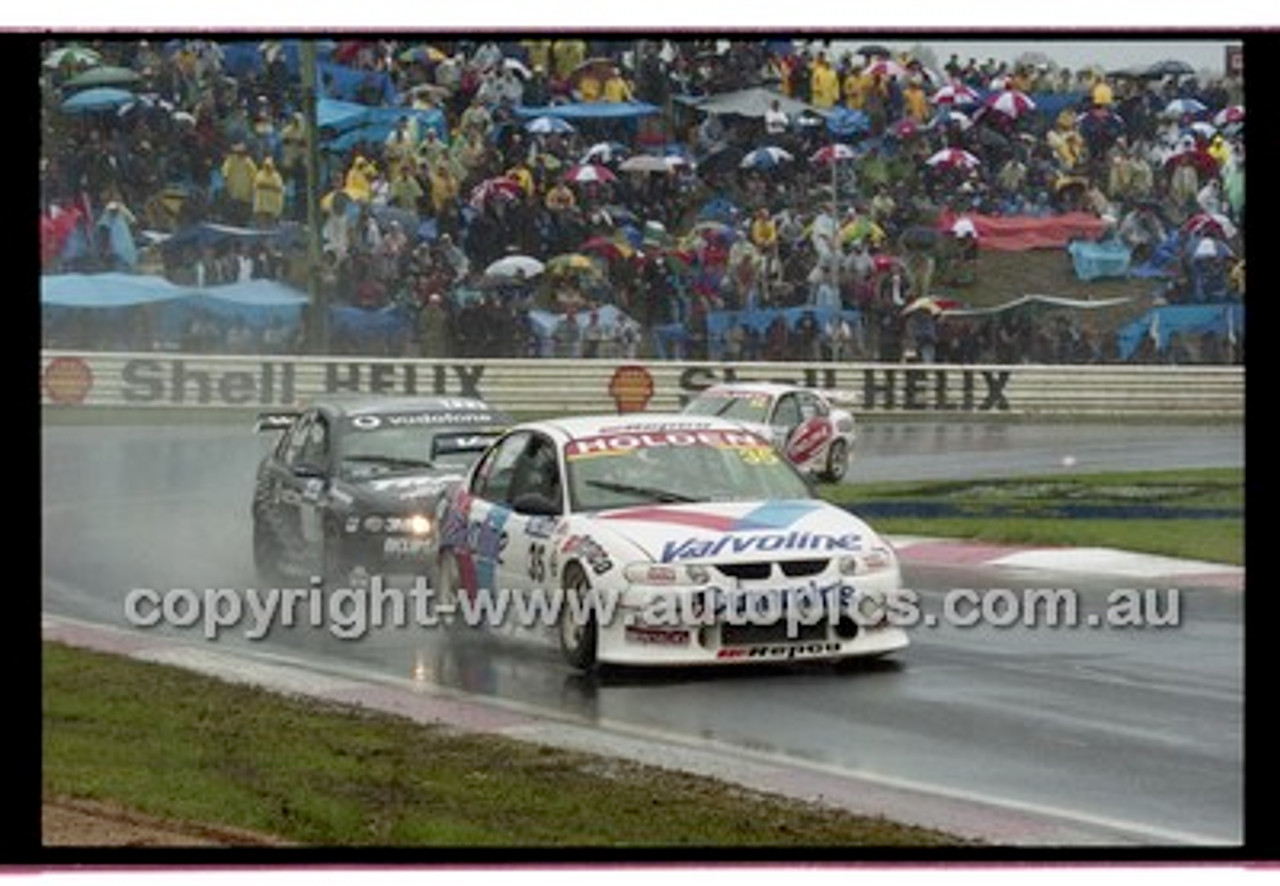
(538, 471)
(315, 443)
(811, 406)
(787, 413)
(295, 438)
(492, 479)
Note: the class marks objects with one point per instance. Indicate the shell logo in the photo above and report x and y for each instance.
(66, 380)
(631, 388)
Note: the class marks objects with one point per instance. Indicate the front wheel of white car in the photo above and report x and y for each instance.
(578, 629)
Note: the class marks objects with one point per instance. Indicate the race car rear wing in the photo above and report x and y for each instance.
(277, 420)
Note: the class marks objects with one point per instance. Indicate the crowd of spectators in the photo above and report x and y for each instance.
(414, 221)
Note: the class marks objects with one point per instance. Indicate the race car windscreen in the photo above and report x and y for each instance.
(750, 407)
(394, 449)
(675, 467)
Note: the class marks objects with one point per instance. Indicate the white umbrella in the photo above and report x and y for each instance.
(547, 125)
(511, 266)
(589, 172)
(649, 163)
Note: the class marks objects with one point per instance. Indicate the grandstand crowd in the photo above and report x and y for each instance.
(465, 224)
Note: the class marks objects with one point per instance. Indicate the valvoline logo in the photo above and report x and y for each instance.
(764, 542)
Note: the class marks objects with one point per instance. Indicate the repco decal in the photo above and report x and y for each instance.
(883, 390)
(790, 650)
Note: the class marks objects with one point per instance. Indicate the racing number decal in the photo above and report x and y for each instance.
(537, 561)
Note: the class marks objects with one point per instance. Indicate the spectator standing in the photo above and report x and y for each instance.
(268, 195)
(239, 173)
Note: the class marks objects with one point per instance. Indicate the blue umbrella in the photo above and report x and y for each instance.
(766, 158)
(101, 98)
(846, 122)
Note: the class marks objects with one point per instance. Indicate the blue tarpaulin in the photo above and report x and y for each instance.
(1226, 320)
(1093, 261)
(590, 110)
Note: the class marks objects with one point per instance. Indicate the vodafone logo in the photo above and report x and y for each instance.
(809, 439)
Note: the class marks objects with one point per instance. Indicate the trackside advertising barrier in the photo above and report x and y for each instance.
(546, 387)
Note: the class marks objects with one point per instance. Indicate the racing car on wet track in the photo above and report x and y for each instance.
(805, 424)
(349, 490)
(694, 539)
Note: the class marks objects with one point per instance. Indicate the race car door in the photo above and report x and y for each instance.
(297, 478)
(486, 547)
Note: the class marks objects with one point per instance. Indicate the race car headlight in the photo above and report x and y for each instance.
(876, 559)
(666, 574)
(412, 524)
(418, 524)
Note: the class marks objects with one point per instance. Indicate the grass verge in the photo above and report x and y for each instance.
(178, 745)
(1144, 511)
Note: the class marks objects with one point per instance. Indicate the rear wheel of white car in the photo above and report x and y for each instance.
(578, 634)
(837, 461)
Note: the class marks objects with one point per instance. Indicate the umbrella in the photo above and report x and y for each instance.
(608, 248)
(499, 188)
(147, 102)
(903, 129)
(546, 125)
(649, 163)
(1229, 115)
(832, 154)
(1201, 159)
(72, 55)
(935, 306)
(1202, 128)
(884, 67)
(1181, 107)
(861, 228)
(520, 68)
(874, 50)
(963, 227)
(424, 54)
(1209, 224)
(98, 98)
(585, 173)
(1209, 248)
(106, 75)
(952, 158)
(1168, 68)
(605, 152)
(848, 121)
(956, 94)
(1011, 103)
(714, 230)
(958, 119)
(511, 266)
(572, 263)
(767, 157)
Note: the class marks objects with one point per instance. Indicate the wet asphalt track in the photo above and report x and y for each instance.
(1137, 733)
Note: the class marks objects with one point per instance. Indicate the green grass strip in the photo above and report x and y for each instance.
(175, 744)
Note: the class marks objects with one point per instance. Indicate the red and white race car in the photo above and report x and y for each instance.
(815, 434)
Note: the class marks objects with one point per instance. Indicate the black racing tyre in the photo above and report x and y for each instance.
(578, 640)
(837, 461)
(447, 586)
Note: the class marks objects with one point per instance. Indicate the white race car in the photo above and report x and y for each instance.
(805, 424)
(667, 539)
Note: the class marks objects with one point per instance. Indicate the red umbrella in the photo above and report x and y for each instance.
(1209, 224)
(589, 172)
(832, 154)
(1229, 115)
(1201, 159)
(608, 248)
(952, 158)
(500, 188)
(956, 94)
(1011, 103)
(904, 128)
(884, 67)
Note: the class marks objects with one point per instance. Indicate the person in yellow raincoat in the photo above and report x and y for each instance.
(238, 174)
(268, 195)
(522, 174)
(567, 55)
(1066, 141)
(616, 87)
(824, 83)
(444, 187)
(915, 101)
(405, 189)
(357, 184)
